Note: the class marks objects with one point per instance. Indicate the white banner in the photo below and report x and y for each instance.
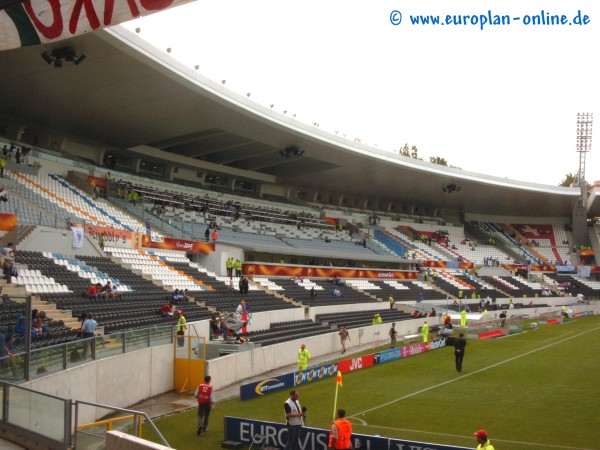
(77, 237)
(584, 271)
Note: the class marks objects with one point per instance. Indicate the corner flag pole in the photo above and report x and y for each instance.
(338, 383)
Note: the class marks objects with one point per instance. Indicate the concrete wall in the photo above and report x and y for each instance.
(60, 241)
(120, 381)
(236, 367)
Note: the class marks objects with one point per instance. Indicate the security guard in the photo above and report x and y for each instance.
(482, 440)
(463, 318)
(303, 357)
(425, 332)
(229, 266)
(340, 433)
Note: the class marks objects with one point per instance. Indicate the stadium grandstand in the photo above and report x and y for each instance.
(134, 172)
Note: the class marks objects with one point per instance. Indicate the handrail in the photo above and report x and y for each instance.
(131, 412)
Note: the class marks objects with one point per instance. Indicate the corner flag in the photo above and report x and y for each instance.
(338, 383)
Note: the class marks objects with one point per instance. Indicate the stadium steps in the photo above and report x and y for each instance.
(16, 293)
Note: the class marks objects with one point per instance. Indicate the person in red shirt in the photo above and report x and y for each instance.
(206, 402)
(93, 292)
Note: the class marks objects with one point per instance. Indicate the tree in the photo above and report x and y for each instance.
(410, 152)
(438, 160)
(569, 180)
(573, 180)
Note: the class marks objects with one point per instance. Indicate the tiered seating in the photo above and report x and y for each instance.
(76, 203)
(300, 292)
(549, 240)
(472, 250)
(498, 232)
(138, 308)
(401, 246)
(407, 291)
(286, 331)
(333, 246)
(159, 265)
(515, 286)
(576, 285)
(201, 201)
(32, 209)
(361, 318)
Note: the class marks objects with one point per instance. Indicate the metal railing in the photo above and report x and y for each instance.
(47, 420)
(27, 365)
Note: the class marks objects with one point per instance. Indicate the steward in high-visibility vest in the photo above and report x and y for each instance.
(303, 357)
(340, 433)
(463, 318)
(425, 332)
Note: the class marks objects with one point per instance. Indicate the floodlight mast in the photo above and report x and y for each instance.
(585, 122)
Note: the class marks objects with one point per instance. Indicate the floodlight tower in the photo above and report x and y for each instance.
(584, 146)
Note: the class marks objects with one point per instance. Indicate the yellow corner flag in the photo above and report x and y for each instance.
(338, 380)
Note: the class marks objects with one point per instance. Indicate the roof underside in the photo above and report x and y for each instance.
(125, 98)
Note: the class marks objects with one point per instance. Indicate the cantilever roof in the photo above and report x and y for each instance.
(128, 95)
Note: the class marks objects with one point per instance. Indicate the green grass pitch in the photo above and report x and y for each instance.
(534, 390)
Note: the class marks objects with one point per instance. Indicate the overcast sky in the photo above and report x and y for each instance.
(501, 101)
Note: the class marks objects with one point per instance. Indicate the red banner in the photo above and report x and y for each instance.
(444, 264)
(544, 268)
(324, 272)
(349, 365)
(96, 181)
(7, 221)
(36, 22)
(181, 245)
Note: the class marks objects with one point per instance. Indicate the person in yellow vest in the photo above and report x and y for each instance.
(180, 328)
(425, 332)
(391, 300)
(2, 165)
(340, 433)
(377, 320)
(303, 357)
(229, 267)
(463, 318)
(483, 442)
(238, 267)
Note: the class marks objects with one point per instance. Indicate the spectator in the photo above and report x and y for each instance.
(8, 257)
(20, 325)
(93, 292)
(3, 194)
(88, 330)
(166, 310)
(108, 291)
(177, 297)
(187, 297)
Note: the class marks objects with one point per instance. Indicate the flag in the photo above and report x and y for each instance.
(77, 237)
(339, 378)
